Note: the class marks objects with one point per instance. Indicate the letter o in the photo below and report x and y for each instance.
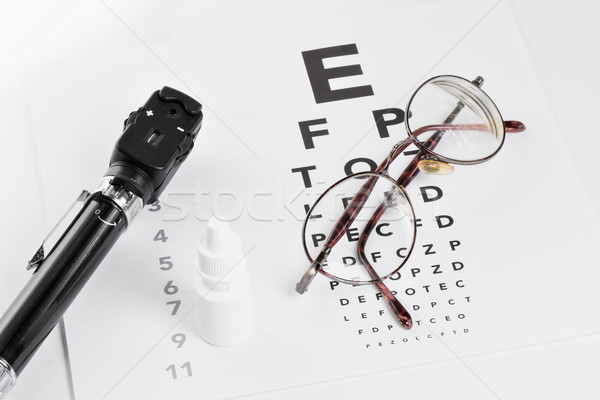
(395, 276)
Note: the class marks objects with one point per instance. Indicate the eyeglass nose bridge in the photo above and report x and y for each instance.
(392, 155)
(428, 164)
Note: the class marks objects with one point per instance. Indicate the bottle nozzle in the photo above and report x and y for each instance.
(219, 236)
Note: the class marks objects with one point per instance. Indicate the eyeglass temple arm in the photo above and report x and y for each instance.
(402, 315)
(400, 312)
(351, 212)
(348, 216)
(407, 176)
(412, 169)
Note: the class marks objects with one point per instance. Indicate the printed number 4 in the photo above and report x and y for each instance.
(160, 236)
(187, 367)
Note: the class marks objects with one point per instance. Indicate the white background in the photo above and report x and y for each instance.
(563, 39)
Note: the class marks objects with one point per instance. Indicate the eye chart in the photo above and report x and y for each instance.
(486, 270)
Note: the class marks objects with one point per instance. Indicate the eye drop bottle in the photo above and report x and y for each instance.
(224, 311)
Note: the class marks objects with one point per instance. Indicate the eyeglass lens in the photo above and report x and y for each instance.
(389, 240)
(476, 131)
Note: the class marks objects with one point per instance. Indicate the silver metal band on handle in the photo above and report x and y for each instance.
(128, 202)
(8, 378)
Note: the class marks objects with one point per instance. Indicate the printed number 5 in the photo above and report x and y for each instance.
(166, 263)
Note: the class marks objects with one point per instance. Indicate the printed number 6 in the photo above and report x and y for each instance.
(170, 288)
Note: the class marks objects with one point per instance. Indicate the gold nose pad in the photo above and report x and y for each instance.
(433, 167)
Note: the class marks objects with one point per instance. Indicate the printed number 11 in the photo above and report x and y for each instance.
(187, 367)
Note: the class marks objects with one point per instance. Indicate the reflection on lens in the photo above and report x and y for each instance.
(455, 120)
(378, 235)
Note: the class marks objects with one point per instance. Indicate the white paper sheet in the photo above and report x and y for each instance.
(522, 219)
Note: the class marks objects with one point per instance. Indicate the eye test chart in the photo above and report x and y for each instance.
(496, 242)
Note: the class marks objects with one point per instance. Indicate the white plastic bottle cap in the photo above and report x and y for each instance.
(219, 252)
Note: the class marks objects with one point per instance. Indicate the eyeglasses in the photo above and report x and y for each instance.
(362, 229)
